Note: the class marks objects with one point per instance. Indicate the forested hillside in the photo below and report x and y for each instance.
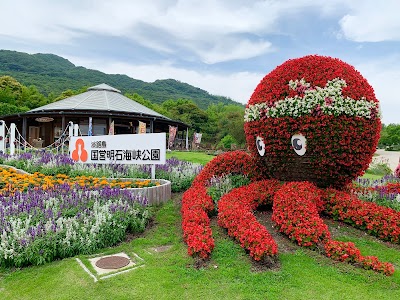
(53, 74)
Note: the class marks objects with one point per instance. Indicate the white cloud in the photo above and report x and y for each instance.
(200, 26)
(371, 21)
(231, 49)
(384, 77)
(237, 86)
(202, 31)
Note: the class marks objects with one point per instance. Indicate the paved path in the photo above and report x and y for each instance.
(392, 157)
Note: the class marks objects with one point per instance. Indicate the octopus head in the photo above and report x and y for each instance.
(315, 119)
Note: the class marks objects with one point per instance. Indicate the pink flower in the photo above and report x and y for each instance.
(328, 101)
(397, 171)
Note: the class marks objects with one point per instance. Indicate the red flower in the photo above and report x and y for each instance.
(295, 211)
(235, 213)
(339, 148)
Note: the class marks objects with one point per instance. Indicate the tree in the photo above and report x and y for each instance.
(139, 99)
(9, 109)
(226, 120)
(32, 98)
(226, 142)
(10, 89)
(186, 111)
(65, 94)
(390, 135)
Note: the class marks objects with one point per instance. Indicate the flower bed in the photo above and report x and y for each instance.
(389, 188)
(347, 252)
(179, 173)
(12, 180)
(156, 191)
(40, 225)
(195, 221)
(56, 216)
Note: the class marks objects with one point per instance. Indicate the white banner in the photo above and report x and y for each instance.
(142, 127)
(140, 149)
(197, 138)
(90, 128)
(111, 129)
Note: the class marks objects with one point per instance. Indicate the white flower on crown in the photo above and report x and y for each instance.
(315, 101)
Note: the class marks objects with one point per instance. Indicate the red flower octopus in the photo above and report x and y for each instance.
(312, 126)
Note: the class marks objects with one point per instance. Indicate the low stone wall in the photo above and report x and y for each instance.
(155, 194)
(19, 171)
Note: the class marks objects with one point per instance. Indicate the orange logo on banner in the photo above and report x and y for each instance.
(75, 154)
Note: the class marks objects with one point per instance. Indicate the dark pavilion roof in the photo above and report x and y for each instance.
(101, 97)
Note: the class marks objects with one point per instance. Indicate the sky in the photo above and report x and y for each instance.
(224, 47)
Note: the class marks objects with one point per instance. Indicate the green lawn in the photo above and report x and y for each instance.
(192, 156)
(303, 274)
(371, 176)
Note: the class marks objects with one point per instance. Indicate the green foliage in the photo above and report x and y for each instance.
(390, 135)
(15, 98)
(186, 111)
(225, 120)
(222, 185)
(32, 98)
(139, 99)
(9, 109)
(379, 167)
(11, 87)
(53, 74)
(226, 142)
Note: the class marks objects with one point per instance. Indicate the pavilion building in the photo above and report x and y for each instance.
(103, 106)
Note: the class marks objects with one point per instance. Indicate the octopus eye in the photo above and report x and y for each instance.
(299, 144)
(260, 145)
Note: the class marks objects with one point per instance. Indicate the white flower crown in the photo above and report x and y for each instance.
(316, 101)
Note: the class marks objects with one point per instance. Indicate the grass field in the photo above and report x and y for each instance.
(230, 274)
(304, 274)
(372, 176)
(192, 156)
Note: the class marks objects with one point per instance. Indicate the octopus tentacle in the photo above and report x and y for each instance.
(238, 162)
(196, 203)
(382, 222)
(295, 211)
(296, 208)
(235, 213)
(195, 221)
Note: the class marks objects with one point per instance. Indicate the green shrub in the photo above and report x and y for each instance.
(226, 142)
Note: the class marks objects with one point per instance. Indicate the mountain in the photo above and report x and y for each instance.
(53, 74)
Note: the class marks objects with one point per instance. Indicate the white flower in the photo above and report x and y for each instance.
(314, 97)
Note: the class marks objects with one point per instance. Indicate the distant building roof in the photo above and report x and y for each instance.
(101, 97)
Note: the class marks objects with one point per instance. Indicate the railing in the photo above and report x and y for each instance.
(12, 141)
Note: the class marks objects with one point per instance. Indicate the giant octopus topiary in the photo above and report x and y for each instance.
(312, 126)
